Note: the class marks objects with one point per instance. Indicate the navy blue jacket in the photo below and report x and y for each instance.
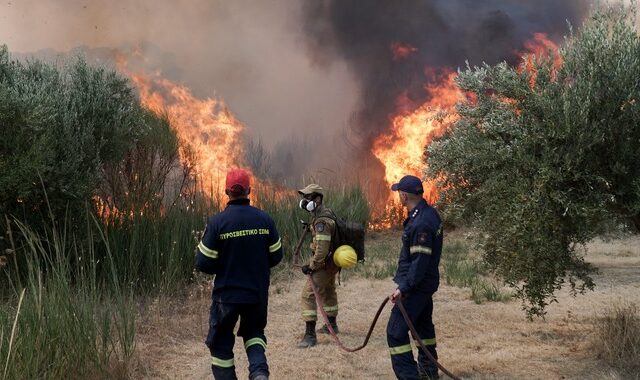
(421, 250)
(239, 246)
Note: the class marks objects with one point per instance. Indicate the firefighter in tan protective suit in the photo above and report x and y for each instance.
(322, 270)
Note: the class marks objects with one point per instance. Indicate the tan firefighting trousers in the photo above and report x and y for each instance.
(326, 284)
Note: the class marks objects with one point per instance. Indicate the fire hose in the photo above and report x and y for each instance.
(320, 306)
(296, 251)
(412, 328)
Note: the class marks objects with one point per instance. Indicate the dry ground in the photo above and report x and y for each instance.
(486, 341)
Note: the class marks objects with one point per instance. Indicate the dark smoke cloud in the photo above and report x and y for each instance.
(446, 33)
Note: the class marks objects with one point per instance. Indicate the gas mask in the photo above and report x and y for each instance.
(307, 205)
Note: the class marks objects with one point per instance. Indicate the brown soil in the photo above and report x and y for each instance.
(486, 341)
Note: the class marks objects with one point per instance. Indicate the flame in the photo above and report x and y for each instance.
(206, 126)
(210, 135)
(540, 46)
(213, 134)
(401, 51)
(401, 150)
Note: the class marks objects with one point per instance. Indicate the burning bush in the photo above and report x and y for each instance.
(150, 178)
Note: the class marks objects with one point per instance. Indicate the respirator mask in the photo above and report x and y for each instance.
(307, 205)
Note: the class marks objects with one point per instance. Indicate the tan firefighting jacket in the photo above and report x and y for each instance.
(322, 229)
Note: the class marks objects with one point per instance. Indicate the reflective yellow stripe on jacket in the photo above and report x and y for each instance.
(420, 249)
(211, 253)
(276, 246)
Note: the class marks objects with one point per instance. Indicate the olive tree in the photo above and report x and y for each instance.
(543, 154)
(58, 126)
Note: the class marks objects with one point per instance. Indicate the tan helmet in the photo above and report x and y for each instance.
(310, 189)
(345, 257)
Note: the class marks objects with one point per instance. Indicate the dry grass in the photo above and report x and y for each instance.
(487, 341)
(617, 338)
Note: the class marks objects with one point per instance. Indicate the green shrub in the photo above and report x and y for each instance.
(483, 289)
(59, 126)
(541, 157)
(75, 138)
(382, 257)
(460, 268)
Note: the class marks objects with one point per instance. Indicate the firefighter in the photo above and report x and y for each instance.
(323, 273)
(239, 246)
(417, 279)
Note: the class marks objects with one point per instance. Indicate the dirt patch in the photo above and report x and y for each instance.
(486, 341)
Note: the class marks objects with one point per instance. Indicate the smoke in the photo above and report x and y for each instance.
(440, 34)
(315, 80)
(248, 53)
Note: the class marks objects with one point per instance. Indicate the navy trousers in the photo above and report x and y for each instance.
(220, 340)
(419, 307)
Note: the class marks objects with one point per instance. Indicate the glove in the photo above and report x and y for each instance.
(306, 269)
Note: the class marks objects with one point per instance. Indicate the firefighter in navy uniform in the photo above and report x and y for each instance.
(323, 271)
(239, 246)
(417, 278)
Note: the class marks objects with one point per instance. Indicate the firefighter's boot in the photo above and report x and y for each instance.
(334, 325)
(309, 339)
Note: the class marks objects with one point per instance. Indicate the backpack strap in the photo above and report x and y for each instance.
(326, 212)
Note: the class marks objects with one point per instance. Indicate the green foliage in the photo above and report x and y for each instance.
(382, 257)
(64, 321)
(490, 291)
(540, 158)
(76, 137)
(58, 126)
(154, 254)
(600, 103)
(463, 269)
